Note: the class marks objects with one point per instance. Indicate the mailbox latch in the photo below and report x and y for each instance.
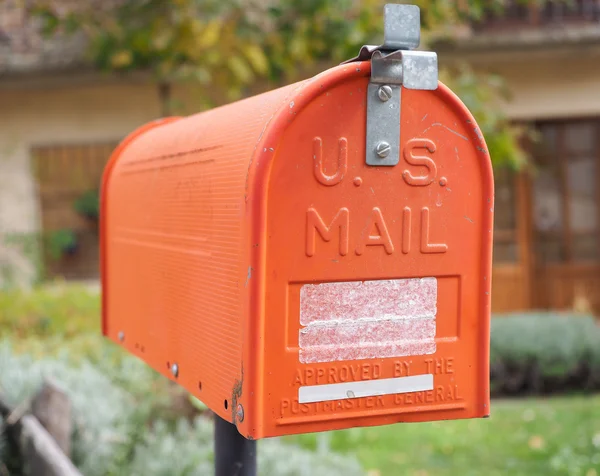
(394, 66)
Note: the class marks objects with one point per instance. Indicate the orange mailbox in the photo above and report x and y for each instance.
(314, 258)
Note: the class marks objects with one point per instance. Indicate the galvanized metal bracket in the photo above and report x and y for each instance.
(393, 67)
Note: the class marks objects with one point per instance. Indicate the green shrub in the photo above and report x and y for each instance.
(278, 458)
(58, 310)
(88, 204)
(185, 449)
(543, 352)
(117, 431)
(61, 242)
(193, 445)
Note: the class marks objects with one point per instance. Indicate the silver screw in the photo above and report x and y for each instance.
(385, 93)
(383, 149)
(175, 370)
(240, 413)
(121, 336)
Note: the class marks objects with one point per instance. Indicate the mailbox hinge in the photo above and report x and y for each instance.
(394, 66)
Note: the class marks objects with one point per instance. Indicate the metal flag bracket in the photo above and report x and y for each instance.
(394, 66)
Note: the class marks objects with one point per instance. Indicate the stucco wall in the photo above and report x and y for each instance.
(552, 90)
(65, 114)
(546, 84)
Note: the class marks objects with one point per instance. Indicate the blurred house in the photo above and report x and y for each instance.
(547, 235)
(59, 120)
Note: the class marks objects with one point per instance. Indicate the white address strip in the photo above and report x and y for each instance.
(365, 388)
(367, 319)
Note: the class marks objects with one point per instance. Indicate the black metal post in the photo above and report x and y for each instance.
(234, 454)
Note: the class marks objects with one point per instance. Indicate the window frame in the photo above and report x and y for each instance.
(563, 157)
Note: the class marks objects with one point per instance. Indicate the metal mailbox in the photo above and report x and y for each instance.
(314, 258)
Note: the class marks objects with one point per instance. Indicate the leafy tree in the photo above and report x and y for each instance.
(226, 46)
(212, 43)
(483, 94)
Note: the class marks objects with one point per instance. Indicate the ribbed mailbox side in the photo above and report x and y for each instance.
(176, 244)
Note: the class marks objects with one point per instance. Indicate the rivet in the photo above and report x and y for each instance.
(383, 149)
(384, 93)
(240, 413)
(175, 370)
(121, 336)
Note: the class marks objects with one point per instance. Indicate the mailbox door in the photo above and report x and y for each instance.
(377, 278)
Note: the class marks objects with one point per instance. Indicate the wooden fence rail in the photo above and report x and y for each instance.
(43, 436)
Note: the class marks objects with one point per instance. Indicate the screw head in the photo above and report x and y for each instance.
(385, 93)
(175, 370)
(121, 336)
(383, 149)
(240, 413)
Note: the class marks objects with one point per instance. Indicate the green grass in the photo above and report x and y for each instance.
(522, 437)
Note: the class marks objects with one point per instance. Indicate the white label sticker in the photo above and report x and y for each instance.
(366, 320)
(365, 388)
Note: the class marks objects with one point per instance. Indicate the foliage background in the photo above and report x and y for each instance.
(130, 420)
(224, 49)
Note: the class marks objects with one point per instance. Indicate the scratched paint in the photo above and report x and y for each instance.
(364, 320)
(248, 276)
(439, 124)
